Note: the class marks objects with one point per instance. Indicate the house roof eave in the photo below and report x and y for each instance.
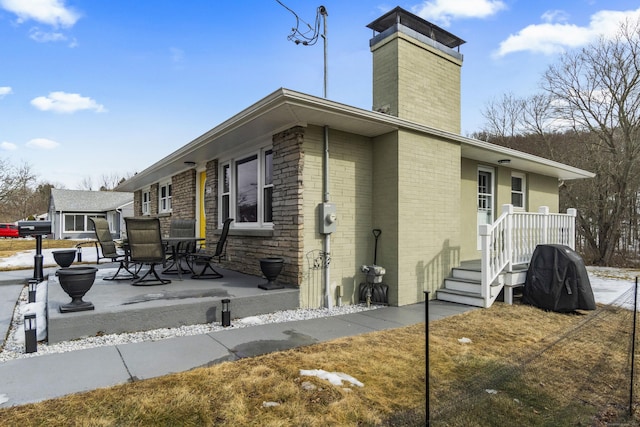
(285, 108)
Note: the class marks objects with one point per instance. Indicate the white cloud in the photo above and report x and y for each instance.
(555, 16)
(8, 146)
(46, 36)
(444, 11)
(51, 12)
(546, 39)
(556, 35)
(4, 91)
(62, 102)
(42, 143)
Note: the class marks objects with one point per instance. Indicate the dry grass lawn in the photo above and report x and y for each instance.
(523, 366)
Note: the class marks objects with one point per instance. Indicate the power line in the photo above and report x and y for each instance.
(310, 35)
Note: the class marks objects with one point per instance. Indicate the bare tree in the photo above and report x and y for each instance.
(86, 184)
(110, 181)
(597, 91)
(15, 188)
(504, 116)
(589, 117)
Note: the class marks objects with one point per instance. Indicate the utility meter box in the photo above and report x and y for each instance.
(327, 218)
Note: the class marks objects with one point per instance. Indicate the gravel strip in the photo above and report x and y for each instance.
(14, 345)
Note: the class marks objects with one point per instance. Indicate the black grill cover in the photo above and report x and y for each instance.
(557, 280)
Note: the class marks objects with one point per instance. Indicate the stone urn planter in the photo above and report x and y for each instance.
(271, 268)
(64, 258)
(76, 282)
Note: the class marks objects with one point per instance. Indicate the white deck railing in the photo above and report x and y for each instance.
(513, 237)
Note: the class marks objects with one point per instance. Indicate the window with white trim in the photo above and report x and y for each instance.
(146, 202)
(246, 188)
(164, 197)
(518, 190)
(79, 222)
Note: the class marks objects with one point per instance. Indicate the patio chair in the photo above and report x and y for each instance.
(202, 258)
(183, 228)
(145, 246)
(110, 251)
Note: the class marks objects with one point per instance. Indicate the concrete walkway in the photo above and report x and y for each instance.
(49, 376)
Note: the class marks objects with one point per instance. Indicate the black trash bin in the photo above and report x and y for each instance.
(557, 280)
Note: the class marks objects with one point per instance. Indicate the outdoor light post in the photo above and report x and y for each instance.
(226, 314)
(79, 253)
(30, 340)
(32, 284)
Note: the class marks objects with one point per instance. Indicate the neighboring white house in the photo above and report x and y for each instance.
(70, 210)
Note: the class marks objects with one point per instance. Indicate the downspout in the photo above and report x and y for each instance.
(325, 172)
(327, 236)
(120, 217)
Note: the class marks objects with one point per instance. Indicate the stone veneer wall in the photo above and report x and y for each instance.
(211, 204)
(183, 200)
(246, 247)
(137, 203)
(155, 193)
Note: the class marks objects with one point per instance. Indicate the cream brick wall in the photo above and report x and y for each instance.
(469, 212)
(540, 191)
(417, 82)
(429, 214)
(350, 187)
(385, 207)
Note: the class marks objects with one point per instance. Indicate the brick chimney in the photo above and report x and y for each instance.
(416, 70)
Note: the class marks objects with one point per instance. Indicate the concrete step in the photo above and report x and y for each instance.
(462, 285)
(460, 297)
(466, 273)
(471, 286)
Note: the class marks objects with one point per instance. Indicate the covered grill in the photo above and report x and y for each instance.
(557, 280)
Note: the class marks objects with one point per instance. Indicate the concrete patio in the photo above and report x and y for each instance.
(121, 307)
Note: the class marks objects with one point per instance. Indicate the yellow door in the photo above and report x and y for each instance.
(202, 215)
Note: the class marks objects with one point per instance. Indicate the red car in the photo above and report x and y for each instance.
(8, 230)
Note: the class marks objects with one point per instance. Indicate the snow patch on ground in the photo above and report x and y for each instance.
(334, 378)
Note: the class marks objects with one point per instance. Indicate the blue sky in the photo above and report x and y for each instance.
(94, 88)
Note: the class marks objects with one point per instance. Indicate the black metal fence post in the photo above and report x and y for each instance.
(426, 351)
(633, 346)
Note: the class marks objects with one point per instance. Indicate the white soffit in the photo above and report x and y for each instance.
(284, 109)
(492, 154)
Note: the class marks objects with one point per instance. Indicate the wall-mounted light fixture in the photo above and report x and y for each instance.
(190, 163)
(504, 161)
